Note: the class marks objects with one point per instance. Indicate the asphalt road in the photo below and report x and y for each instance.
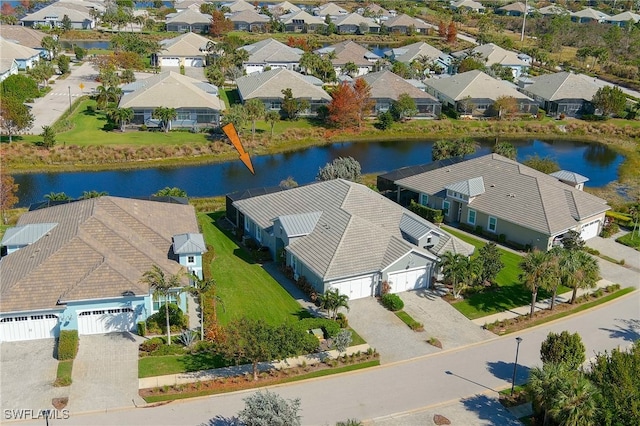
(401, 387)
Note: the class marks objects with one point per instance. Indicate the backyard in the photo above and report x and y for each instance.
(510, 293)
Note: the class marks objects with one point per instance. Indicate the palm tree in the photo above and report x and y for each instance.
(120, 116)
(579, 270)
(332, 300)
(544, 386)
(575, 404)
(534, 274)
(93, 194)
(51, 45)
(455, 268)
(254, 110)
(102, 97)
(554, 272)
(57, 196)
(162, 286)
(165, 115)
(272, 117)
(200, 287)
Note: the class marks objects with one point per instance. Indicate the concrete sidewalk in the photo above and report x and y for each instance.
(199, 376)
(540, 305)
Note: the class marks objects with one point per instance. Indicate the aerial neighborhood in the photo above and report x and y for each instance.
(201, 197)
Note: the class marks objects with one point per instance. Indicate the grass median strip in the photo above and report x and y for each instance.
(408, 319)
(63, 376)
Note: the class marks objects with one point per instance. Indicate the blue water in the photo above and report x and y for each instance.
(597, 162)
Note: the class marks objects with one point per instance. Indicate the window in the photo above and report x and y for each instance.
(493, 224)
(471, 217)
(191, 259)
(294, 263)
(445, 207)
(424, 199)
(157, 304)
(246, 224)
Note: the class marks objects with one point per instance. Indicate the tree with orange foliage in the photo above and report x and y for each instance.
(219, 24)
(8, 198)
(452, 32)
(343, 111)
(362, 99)
(442, 29)
(6, 9)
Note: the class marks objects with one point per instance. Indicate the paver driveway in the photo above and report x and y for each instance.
(105, 373)
(27, 372)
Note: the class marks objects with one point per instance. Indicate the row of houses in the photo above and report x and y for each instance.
(20, 49)
(586, 15)
(336, 234)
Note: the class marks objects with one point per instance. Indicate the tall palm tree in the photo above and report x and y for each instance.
(332, 300)
(575, 404)
(121, 116)
(162, 286)
(57, 196)
(579, 270)
(165, 115)
(93, 194)
(455, 268)
(534, 274)
(554, 273)
(199, 288)
(52, 46)
(254, 110)
(102, 97)
(544, 386)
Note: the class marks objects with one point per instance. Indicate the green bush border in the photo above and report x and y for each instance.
(63, 375)
(67, 344)
(408, 319)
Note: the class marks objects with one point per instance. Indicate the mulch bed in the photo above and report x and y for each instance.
(59, 403)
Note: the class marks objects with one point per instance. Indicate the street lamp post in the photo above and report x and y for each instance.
(515, 366)
(69, 99)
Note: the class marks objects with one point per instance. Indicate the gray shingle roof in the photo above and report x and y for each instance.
(26, 234)
(353, 220)
(301, 15)
(562, 85)
(590, 14)
(569, 176)
(24, 36)
(413, 51)
(405, 20)
(625, 17)
(355, 19)
(187, 44)
(387, 85)
(271, 51)
(76, 12)
(171, 90)
(553, 10)
(468, 4)
(239, 5)
(269, 84)
(249, 16)
(516, 7)
(331, 9)
(475, 84)
(469, 187)
(100, 248)
(349, 51)
(494, 54)
(188, 16)
(515, 193)
(10, 50)
(283, 7)
(189, 243)
(296, 225)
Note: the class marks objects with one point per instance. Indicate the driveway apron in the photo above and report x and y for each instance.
(105, 373)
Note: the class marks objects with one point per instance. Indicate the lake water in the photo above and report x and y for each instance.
(86, 44)
(597, 162)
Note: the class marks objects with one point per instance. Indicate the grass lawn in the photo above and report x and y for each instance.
(246, 289)
(172, 364)
(511, 293)
(63, 376)
(632, 239)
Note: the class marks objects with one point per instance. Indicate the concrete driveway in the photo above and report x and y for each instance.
(105, 373)
(395, 341)
(27, 372)
(627, 275)
(193, 72)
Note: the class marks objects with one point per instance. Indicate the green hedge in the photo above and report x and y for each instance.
(392, 302)
(621, 218)
(331, 328)
(432, 215)
(67, 344)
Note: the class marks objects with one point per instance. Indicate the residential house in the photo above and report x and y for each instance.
(8, 67)
(349, 51)
(80, 13)
(249, 20)
(509, 200)
(92, 255)
(552, 10)
(354, 23)
(563, 93)
(270, 53)
(423, 52)
(515, 9)
(386, 87)
(185, 4)
(624, 19)
(474, 92)
(342, 235)
(196, 102)
(187, 50)
(188, 20)
(24, 36)
(589, 15)
(268, 85)
(300, 21)
(283, 8)
(24, 56)
(493, 54)
(239, 6)
(405, 24)
(377, 12)
(468, 6)
(330, 9)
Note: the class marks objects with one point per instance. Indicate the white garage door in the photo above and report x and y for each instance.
(355, 288)
(193, 62)
(101, 321)
(169, 62)
(409, 279)
(28, 327)
(590, 230)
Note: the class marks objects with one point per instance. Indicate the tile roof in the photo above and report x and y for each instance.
(353, 220)
(187, 44)
(515, 7)
(474, 84)
(494, 54)
(405, 20)
(590, 14)
(171, 90)
(283, 7)
(271, 51)
(269, 84)
(10, 50)
(188, 16)
(75, 11)
(303, 16)
(625, 17)
(249, 16)
(6, 64)
(26, 234)
(569, 176)
(100, 248)
(239, 5)
(553, 10)
(469, 4)
(24, 36)
(331, 9)
(562, 85)
(189, 243)
(387, 85)
(515, 193)
(349, 51)
(355, 19)
(413, 51)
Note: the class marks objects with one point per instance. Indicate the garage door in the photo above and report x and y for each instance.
(28, 327)
(409, 279)
(193, 62)
(590, 230)
(355, 288)
(106, 321)
(169, 62)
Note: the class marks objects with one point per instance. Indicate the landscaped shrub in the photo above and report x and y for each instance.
(432, 215)
(151, 344)
(392, 302)
(331, 328)
(67, 344)
(158, 320)
(142, 328)
(342, 320)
